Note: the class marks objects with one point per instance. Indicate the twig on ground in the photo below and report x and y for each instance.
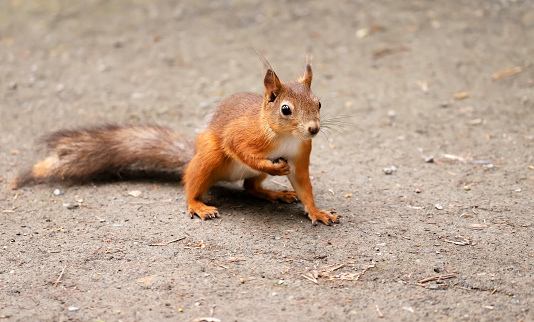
(332, 268)
(344, 276)
(437, 277)
(465, 241)
(310, 277)
(60, 276)
(380, 315)
(167, 243)
(94, 253)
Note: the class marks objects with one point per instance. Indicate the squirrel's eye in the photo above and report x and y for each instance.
(319, 105)
(286, 110)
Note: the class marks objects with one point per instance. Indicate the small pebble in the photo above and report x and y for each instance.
(390, 170)
(362, 33)
(137, 96)
(73, 308)
(438, 206)
(429, 159)
(409, 309)
(70, 206)
(58, 192)
(101, 67)
(13, 85)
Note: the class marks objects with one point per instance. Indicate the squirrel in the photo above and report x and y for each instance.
(247, 137)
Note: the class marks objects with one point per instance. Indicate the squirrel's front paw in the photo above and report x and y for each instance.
(322, 215)
(278, 167)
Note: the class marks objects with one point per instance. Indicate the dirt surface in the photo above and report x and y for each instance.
(445, 240)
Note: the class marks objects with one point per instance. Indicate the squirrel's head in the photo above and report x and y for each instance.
(291, 108)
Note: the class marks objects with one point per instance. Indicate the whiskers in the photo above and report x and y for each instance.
(334, 124)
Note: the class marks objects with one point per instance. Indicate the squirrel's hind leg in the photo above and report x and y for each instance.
(200, 174)
(195, 187)
(253, 186)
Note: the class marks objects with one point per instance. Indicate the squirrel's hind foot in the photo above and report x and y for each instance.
(273, 196)
(203, 211)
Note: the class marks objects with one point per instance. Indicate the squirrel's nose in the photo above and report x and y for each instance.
(313, 129)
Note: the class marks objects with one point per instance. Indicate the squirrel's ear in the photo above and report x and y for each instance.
(272, 85)
(308, 75)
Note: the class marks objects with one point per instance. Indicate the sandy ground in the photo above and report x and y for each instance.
(448, 240)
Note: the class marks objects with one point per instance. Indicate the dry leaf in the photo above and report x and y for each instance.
(460, 95)
(145, 280)
(507, 72)
(423, 86)
(475, 122)
(135, 193)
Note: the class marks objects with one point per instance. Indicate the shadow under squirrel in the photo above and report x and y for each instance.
(248, 137)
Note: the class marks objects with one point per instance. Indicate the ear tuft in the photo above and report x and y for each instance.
(308, 75)
(272, 85)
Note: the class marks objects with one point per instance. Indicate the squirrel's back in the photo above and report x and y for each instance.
(234, 107)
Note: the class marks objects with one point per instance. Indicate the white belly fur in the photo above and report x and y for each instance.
(239, 171)
(287, 149)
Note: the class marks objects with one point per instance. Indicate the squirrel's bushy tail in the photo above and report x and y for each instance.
(80, 155)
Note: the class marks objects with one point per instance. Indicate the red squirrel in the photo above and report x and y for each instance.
(247, 138)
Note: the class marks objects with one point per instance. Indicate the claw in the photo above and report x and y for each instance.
(324, 216)
(203, 212)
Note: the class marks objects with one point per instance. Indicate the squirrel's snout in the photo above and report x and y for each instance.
(313, 129)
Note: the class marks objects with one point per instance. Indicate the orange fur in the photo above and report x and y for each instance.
(253, 133)
(248, 137)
